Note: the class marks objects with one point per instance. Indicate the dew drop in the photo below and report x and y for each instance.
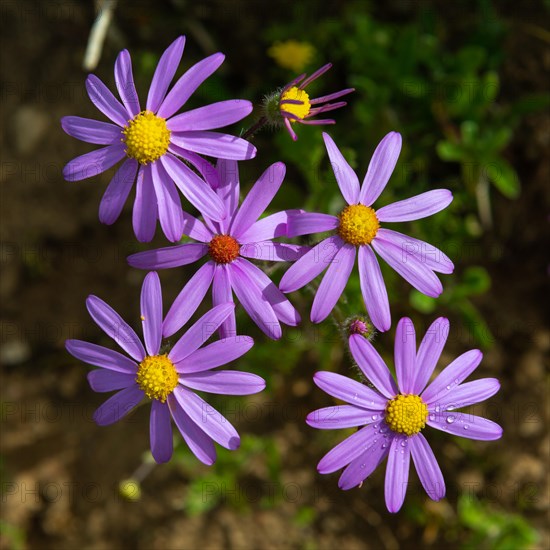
(363, 466)
(448, 387)
(374, 416)
(437, 408)
(466, 426)
(450, 419)
(355, 396)
(404, 443)
(451, 407)
(457, 380)
(432, 416)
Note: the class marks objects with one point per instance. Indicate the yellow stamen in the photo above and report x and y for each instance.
(157, 377)
(296, 94)
(147, 137)
(358, 224)
(406, 414)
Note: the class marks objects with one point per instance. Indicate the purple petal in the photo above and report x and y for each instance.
(105, 101)
(282, 307)
(170, 256)
(101, 357)
(416, 208)
(268, 228)
(419, 275)
(208, 419)
(228, 189)
(115, 327)
(351, 391)
(255, 304)
(91, 131)
(220, 352)
(451, 376)
(194, 228)
(168, 203)
(429, 352)
(125, 83)
(224, 382)
(118, 405)
(338, 417)
(195, 190)
(397, 473)
(93, 163)
(215, 144)
(380, 168)
(151, 312)
(345, 176)
(425, 253)
(258, 198)
(311, 264)
(427, 467)
(145, 213)
(306, 223)
(117, 192)
(160, 432)
(333, 283)
(273, 252)
(221, 293)
(199, 332)
(188, 83)
(465, 425)
(216, 115)
(372, 365)
(188, 300)
(206, 169)
(373, 289)
(469, 393)
(103, 380)
(200, 444)
(364, 465)
(405, 355)
(164, 73)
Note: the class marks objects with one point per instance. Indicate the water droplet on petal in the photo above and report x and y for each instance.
(466, 426)
(437, 408)
(450, 419)
(404, 443)
(448, 387)
(363, 466)
(432, 416)
(451, 407)
(374, 416)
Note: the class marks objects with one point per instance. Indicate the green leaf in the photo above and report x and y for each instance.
(476, 279)
(504, 177)
(421, 302)
(450, 151)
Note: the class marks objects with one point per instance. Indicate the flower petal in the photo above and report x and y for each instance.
(397, 473)
(220, 352)
(373, 289)
(168, 201)
(195, 190)
(151, 312)
(215, 144)
(117, 192)
(417, 207)
(409, 267)
(469, 393)
(258, 198)
(222, 293)
(209, 117)
(194, 228)
(103, 380)
(169, 256)
(351, 392)
(160, 432)
(344, 173)
(105, 101)
(93, 163)
(465, 425)
(273, 252)
(304, 270)
(380, 169)
(333, 283)
(115, 327)
(201, 445)
(164, 73)
(228, 189)
(98, 356)
(306, 223)
(224, 382)
(145, 212)
(429, 352)
(118, 405)
(405, 355)
(268, 228)
(338, 417)
(451, 376)
(199, 332)
(372, 365)
(188, 300)
(208, 419)
(427, 467)
(186, 85)
(124, 80)
(91, 131)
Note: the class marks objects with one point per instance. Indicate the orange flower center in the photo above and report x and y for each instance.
(223, 249)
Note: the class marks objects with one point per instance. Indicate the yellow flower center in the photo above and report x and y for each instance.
(300, 110)
(157, 377)
(223, 249)
(358, 224)
(406, 414)
(147, 137)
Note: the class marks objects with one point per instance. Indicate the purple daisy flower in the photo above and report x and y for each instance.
(358, 229)
(154, 141)
(390, 417)
(227, 244)
(168, 379)
(295, 105)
